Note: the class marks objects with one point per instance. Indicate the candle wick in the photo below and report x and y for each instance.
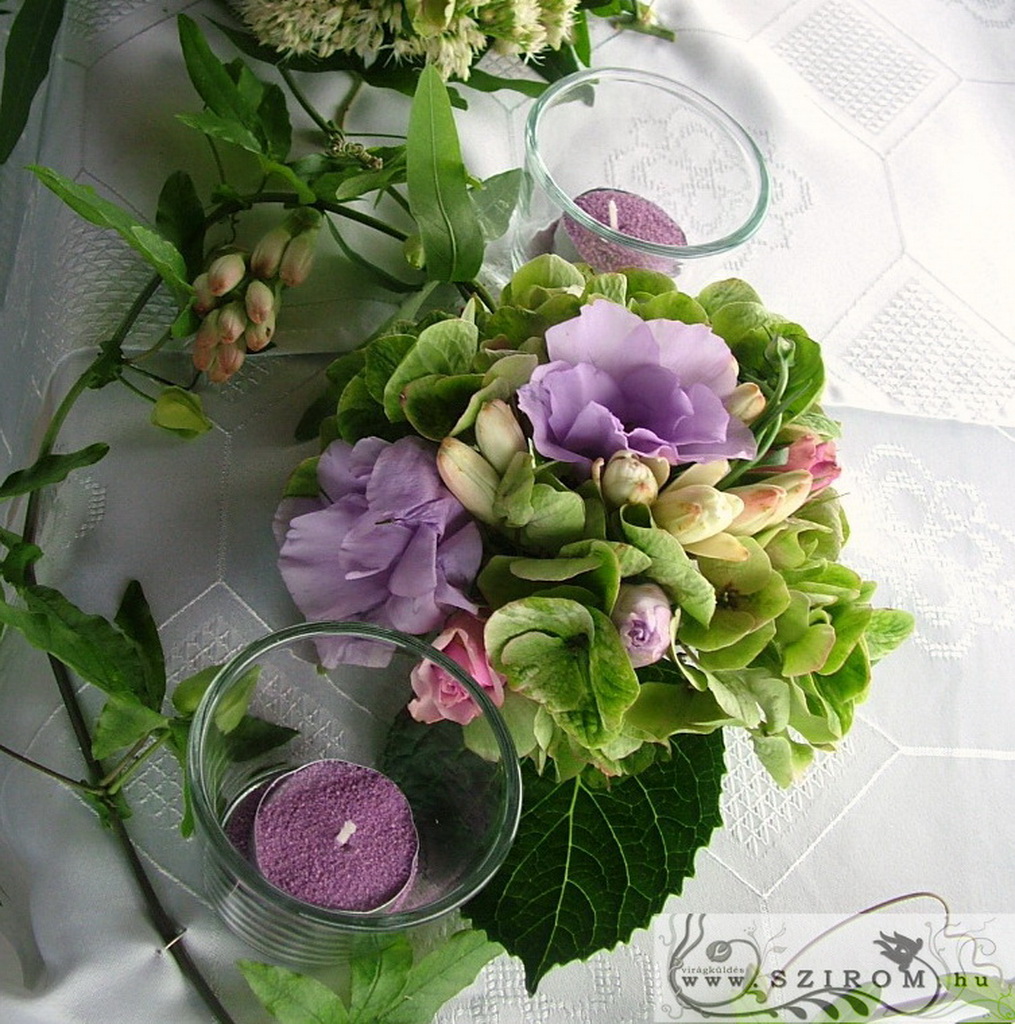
(346, 833)
(611, 212)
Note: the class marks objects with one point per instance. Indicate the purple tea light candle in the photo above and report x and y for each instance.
(337, 835)
(629, 214)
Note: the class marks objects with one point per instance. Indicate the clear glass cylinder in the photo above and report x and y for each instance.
(465, 807)
(653, 148)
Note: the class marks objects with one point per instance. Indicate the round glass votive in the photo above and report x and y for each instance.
(464, 807)
(624, 168)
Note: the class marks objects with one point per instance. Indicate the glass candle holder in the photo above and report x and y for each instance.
(624, 168)
(464, 807)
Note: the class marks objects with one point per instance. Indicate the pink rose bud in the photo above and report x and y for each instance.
(267, 254)
(232, 322)
(818, 457)
(438, 694)
(204, 298)
(259, 301)
(226, 273)
(643, 617)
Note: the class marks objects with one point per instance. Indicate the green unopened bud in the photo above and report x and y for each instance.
(498, 434)
(267, 254)
(695, 512)
(226, 273)
(180, 413)
(746, 403)
(469, 477)
(232, 322)
(628, 480)
(259, 301)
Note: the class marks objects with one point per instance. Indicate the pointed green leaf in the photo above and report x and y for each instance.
(293, 998)
(89, 645)
(433, 404)
(378, 978)
(438, 197)
(159, 253)
(495, 201)
(887, 629)
(26, 64)
(223, 129)
(180, 219)
(255, 736)
(50, 469)
(589, 866)
(122, 722)
(135, 620)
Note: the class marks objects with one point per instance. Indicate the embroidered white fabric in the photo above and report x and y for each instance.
(888, 133)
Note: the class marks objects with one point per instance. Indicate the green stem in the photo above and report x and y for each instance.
(302, 100)
(59, 776)
(127, 768)
(123, 764)
(343, 108)
(137, 391)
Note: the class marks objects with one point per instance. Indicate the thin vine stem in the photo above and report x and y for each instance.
(52, 773)
(301, 99)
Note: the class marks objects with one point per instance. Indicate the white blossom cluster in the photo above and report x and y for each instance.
(449, 35)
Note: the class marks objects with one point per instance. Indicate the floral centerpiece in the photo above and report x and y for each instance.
(613, 504)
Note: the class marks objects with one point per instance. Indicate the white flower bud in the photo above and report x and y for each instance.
(498, 434)
(469, 477)
(628, 480)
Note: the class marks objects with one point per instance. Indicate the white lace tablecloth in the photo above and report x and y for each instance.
(889, 131)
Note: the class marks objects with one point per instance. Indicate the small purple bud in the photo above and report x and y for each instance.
(644, 619)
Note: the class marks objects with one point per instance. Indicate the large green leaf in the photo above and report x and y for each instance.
(438, 196)
(88, 644)
(26, 64)
(180, 218)
(158, 251)
(589, 866)
(293, 998)
(135, 620)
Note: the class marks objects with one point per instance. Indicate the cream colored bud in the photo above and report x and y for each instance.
(747, 402)
(771, 501)
(259, 301)
(204, 299)
(693, 513)
(628, 480)
(722, 545)
(257, 336)
(226, 273)
(298, 259)
(232, 322)
(469, 477)
(708, 473)
(267, 254)
(498, 434)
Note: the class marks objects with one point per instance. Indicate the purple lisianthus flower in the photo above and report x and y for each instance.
(616, 382)
(386, 543)
(643, 616)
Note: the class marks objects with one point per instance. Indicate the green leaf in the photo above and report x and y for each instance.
(254, 736)
(293, 998)
(589, 866)
(188, 692)
(887, 629)
(50, 469)
(495, 201)
(222, 128)
(485, 82)
(570, 659)
(378, 978)
(447, 347)
(721, 293)
(442, 974)
(273, 114)
(360, 416)
(180, 218)
(180, 412)
(382, 357)
(26, 64)
(159, 253)
(176, 741)
(212, 81)
(122, 722)
(438, 197)
(434, 404)
(135, 620)
(671, 567)
(88, 644)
